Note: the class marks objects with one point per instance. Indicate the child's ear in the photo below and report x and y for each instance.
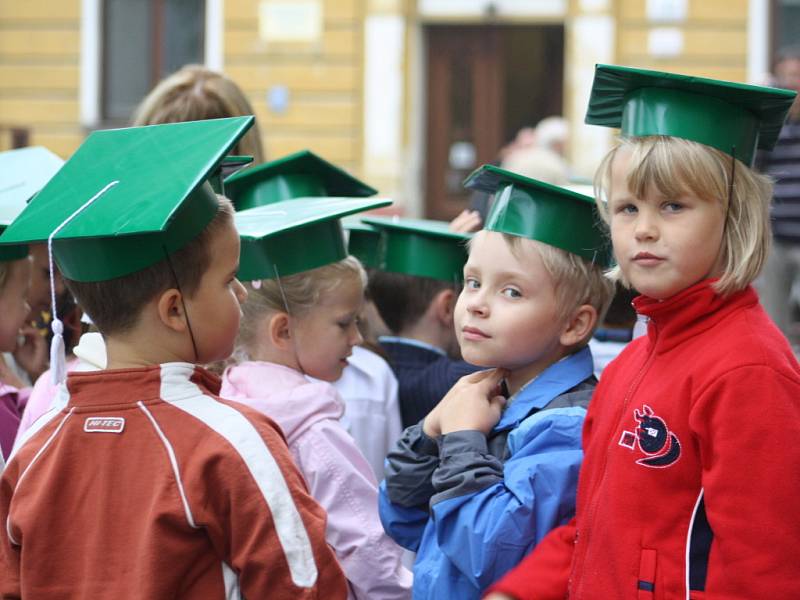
(278, 331)
(444, 304)
(578, 327)
(171, 311)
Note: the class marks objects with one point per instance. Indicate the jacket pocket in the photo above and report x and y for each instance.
(646, 586)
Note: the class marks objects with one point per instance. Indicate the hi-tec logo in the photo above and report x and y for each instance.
(104, 425)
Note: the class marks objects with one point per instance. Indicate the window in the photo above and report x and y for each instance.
(785, 24)
(143, 41)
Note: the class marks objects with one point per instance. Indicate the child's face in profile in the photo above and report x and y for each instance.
(13, 302)
(215, 308)
(507, 314)
(663, 245)
(325, 336)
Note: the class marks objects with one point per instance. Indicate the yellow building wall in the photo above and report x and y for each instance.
(714, 38)
(40, 47)
(324, 80)
(39, 72)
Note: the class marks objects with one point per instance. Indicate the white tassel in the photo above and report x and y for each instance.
(58, 356)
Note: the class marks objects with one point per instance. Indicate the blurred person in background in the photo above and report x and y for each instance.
(538, 153)
(783, 165)
(196, 93)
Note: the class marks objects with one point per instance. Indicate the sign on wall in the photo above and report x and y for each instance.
(290, 20)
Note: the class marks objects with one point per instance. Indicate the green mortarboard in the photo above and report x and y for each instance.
(127, 197)
(297, 235)
(422, 248)
(732, 117)
(302, 174)
(364, 241)
(25, 171)
(546, 213)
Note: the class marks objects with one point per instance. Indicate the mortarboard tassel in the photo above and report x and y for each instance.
(58, 356)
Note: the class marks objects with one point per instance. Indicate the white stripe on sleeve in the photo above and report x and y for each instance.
(178, 390)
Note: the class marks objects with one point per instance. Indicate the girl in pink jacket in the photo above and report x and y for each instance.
(306, 325)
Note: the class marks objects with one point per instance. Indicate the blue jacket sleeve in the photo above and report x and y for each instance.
(405, 525)
(406, 492)
(486, 522)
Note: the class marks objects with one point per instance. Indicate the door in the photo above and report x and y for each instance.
(484, 83)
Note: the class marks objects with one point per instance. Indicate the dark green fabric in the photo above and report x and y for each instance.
(302, 174)
(156, 197)
(546, 213)
(422, 248)
(734, 118)
(296, 235)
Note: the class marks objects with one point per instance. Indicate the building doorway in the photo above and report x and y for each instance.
(484, 83)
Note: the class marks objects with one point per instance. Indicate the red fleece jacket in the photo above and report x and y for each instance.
(692, 469)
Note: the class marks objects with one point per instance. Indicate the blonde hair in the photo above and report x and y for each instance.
(673, 167)
(295, 295)
(195, 93)
(575, 281)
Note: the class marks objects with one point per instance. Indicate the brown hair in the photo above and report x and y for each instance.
(402, 299)
(114, 305)
(673, 167)
(195, 93)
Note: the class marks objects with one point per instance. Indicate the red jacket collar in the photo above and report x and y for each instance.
(128, 386)
(691, 311)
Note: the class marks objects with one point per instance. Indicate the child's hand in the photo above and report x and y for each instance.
(431, 425)
(498, 596)
(466, 222)
(473, 403)
(32, 355)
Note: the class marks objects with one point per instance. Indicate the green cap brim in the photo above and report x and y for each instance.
(12, 252)
(364, 241)
(734, 118)
(296, 235)
(299, 175)
(546, 213)
(151, 197)
(422, 248)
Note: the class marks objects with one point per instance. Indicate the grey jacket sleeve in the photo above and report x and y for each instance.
(409, 467)
(465, 466)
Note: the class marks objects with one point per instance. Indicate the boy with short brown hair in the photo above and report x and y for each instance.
(141, 482)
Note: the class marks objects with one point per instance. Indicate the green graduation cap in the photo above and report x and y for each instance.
(539, 211)
(302, 174)
(128, 197)
(24, 172)
(732, 117)
(364, 241)
(422, 248)
(297, 235)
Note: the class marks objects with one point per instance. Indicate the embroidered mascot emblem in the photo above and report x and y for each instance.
(653, 438)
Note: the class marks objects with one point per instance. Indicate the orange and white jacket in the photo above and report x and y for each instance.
(142, 483)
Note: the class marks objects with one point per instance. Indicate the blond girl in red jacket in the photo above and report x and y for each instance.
(689, 486)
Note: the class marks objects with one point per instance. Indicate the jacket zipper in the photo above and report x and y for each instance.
(592, 510)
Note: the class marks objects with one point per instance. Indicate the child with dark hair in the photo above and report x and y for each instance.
(174, 492)
(415, 293)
